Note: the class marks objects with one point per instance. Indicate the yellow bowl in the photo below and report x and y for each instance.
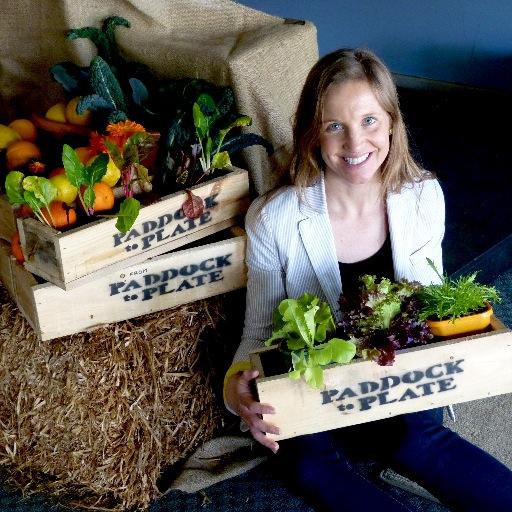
(463, 325)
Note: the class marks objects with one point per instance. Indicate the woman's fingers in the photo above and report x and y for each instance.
(257, 426)
(265, 440)
(250, 410)
(259, 408)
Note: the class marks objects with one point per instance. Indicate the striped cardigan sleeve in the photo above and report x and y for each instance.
(265, 281)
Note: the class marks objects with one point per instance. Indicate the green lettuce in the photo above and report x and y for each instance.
(302, 326)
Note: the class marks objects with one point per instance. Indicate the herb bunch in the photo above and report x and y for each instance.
(383, 318)
(453, 298)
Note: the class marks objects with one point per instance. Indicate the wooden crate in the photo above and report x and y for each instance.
(71, 258)
(156, 284)
(7, 219)
(435, 375)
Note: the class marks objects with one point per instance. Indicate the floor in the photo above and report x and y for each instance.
(462, 136)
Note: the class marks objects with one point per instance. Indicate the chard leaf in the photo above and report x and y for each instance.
(200, 121)
(138, 146)
(130, 154)
(89, 196)
(32, 200)
(239, 122)
(142, 173)
(128, 211)
(42, 188)
(208, 108)
(193, 207)
(220, 160)
(73, 166)
(14, 188)
(95, 172)
(314, 376)
(342, 351)
(208, 148)
(115, 154)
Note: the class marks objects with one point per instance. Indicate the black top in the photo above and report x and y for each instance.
(379, 265)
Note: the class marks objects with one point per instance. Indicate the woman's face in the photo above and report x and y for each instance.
(354, 135)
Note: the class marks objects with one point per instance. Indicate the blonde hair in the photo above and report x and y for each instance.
(399, 167)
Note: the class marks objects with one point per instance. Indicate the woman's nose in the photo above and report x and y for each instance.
(353, 139)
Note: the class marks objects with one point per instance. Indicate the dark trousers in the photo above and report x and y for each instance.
(461, 475)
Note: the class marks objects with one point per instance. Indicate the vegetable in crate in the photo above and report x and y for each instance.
(384, 317)
(301, 327)
(34, 191)
(124, 147)
(197, 143)
(115, 89)
(454, 298)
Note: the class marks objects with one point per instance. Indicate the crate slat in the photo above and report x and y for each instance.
(7, 219)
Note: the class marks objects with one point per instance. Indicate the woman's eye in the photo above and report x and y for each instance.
(334, 127)
(367, 121)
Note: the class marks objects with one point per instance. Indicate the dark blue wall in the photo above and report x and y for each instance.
(463, 41)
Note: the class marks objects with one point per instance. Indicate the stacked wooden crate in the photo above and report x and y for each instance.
(99, 275)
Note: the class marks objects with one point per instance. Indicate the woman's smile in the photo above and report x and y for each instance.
(356, 160)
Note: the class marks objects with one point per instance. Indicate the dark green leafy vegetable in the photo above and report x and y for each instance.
(103, 38)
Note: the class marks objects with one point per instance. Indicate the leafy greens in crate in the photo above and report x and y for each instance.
(116, 89)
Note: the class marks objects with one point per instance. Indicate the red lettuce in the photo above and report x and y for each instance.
(383, 318)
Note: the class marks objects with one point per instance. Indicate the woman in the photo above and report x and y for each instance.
(357, 203)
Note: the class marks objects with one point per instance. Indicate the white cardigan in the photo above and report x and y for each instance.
(291, 250)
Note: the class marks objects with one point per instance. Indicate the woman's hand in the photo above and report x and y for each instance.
(240, 399)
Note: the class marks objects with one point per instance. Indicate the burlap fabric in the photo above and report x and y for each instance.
(264, 58)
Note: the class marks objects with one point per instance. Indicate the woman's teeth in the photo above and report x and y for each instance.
(358, 160)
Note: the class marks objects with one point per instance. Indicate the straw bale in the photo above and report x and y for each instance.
(103, 413)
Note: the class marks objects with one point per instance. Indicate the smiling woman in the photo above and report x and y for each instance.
(357, 201)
